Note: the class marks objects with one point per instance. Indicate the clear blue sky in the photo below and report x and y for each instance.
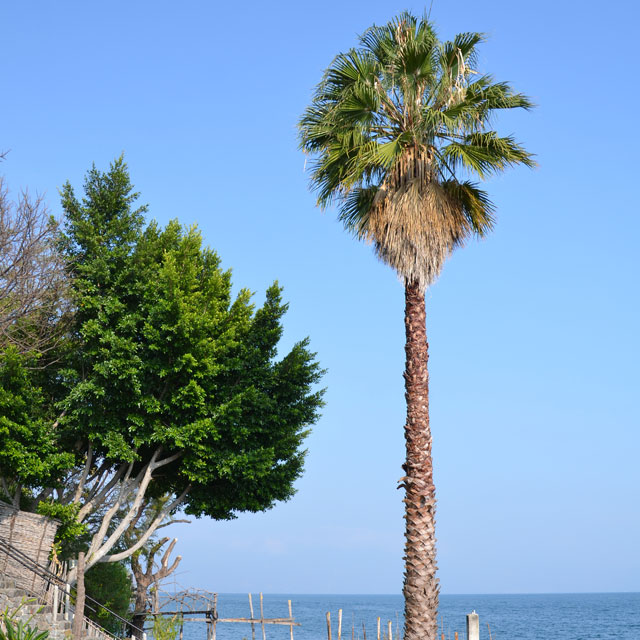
(533, 332)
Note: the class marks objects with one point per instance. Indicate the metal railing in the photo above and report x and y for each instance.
(50, 589)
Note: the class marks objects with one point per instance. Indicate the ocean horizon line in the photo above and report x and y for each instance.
(387, 595)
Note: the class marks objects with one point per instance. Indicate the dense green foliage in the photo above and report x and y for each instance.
(158, 361)
(165, 357)
(110, 585)
(29, 455)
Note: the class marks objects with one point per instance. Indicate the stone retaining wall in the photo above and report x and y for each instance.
(32, 534)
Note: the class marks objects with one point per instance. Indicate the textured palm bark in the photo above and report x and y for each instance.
(420, 583)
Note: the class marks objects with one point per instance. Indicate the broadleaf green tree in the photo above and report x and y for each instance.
(166, 384)
(398, 129)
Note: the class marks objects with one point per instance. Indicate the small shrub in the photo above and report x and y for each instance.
(164, 628)
(13, 629)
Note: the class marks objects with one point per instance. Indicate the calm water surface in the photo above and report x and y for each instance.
(597, 616)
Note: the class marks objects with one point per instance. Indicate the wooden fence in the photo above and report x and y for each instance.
(211, 615)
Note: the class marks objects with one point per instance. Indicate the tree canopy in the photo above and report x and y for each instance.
(166, 383)
(398, 128)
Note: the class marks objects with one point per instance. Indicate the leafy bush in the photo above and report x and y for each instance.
(110, 584)
(165, 628)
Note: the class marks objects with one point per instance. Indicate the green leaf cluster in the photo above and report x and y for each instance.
(71, 536)
(110, 585)
(160, 355)
(29, 452)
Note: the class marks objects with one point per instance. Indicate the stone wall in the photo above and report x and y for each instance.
(32, 534)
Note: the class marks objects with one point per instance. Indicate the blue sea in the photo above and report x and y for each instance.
(592, 616)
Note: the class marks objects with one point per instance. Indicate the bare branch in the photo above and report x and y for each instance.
(85, 473)
(166, 510)
(17, 495)
(99, 546)
(162, 463)
(98, 499)
(33, 279)
(166, 524)
(165, 570)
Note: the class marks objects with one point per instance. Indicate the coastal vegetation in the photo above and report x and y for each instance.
(160, 391)
(399, 129)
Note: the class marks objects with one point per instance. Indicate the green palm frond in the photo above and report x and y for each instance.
(463, 46)
(485, 153)
(392, 124)
(354, 214)
(475, 203)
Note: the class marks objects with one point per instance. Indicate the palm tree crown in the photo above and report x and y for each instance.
(396, 127)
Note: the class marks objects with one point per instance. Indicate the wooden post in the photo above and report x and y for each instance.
(67, 601)
(54, 605)
(455, 635)
(473, 626)
(78, 616)
(291, 616)
(264, 635)
(378, 621)
(390, 631)
(339, 624)
(215, 614)
(181, 627)
(364, 631)
(253, 626)
(328, 625)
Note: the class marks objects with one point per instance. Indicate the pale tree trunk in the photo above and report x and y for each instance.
(145, 579)
(420, 583)
(78, 616)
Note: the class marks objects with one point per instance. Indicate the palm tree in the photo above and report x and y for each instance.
(397, 129)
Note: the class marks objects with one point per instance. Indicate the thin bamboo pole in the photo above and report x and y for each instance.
(291, 616)
(264, 634)
(253, 626)
(390, 631)
(339, 624)
(328, 625)
(215, 614)
(378, 621)
(54, 607)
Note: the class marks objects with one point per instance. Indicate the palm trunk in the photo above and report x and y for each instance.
(420, 583)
